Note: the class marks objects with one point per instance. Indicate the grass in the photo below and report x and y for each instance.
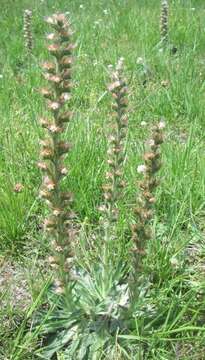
(174, 328)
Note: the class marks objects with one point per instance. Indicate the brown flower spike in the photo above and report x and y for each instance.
(27, 30)
(54, 149)
(164, 21)
(141, 230)
(114, 183)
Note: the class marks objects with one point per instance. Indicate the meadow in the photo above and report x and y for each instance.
(164, 84)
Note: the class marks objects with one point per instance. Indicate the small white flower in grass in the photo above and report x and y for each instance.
(81, 6)
(120, 64)
(64, 171)
(141, 169)
(59, 290)
(105, 11)
(150, 142)
(143, 123)
(140, 61)
(50, 36)
(193, 9)
(65, 96)
(161, 125)
(97, 22)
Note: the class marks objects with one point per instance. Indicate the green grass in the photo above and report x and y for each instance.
(129, 29)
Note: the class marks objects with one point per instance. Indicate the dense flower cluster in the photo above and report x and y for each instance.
(141, 230)
(114, 181)
(54, 148)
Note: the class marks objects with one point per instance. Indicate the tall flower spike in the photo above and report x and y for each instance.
(114, 184)
(141, 230)
(54, 150)
(27, 30)
(164, 21)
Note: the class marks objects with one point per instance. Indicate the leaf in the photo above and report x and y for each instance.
(84, 348)
(59, 341)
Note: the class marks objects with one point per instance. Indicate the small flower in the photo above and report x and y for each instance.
(165, 83)
(150, 142)
(161, 125)
(53, 78)
(59, 290)
(50, 20)
(43, 166)
(44, 194)
(64, 97)
(102, 208)
(44, 122)
(141, 169)
(49, 66)
(140, 61)
(49, 184)
(114, 85)
(55, 129)
(51, 36)
(46, 93)
(54, 105)
(64, 171)
(54, 49)
(105, 11)
(57, 212)
(18, 188)
(143, 123)
(81, 6)
(51, 260)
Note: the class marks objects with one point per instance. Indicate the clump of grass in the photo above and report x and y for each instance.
(54, 150)
(28, 37)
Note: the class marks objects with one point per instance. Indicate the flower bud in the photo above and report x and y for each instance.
(65, 117)
(54, 106)
(66, 62)
(49, 67)
(63, 147)
(54, 49)
(46, 93)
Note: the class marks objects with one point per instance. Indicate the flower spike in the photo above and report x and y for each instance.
(54, 150)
